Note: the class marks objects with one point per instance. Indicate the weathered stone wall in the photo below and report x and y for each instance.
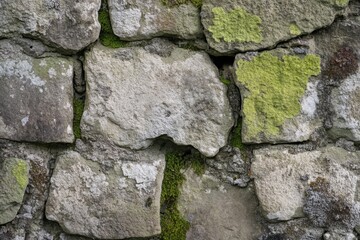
(179, 119)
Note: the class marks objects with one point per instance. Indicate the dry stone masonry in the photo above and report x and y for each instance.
(179, 120)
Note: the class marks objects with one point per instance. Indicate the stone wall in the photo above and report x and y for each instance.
(179, 119)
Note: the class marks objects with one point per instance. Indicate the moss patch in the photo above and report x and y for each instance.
(294, 29)
(235, 139)
(235, 26)
(275, 86)
(173, 225)
(172, 3)
(107, 36)
(341, 3)
(78, 106)
(20, 172)
(225, 81)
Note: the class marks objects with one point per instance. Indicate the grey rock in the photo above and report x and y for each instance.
(145, 19)
(282, 178)
(132, 102)
(276, 108)
(339, 236)
(36, 96)
(14, 179)
(217, 210)
(88, 199)
(243, 25)
(67, 25)
(345, 103)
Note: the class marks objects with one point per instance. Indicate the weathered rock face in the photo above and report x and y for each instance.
(89, 199)
(345, 103)
(35, 96)
(177, 93)
(65, 24)
(232, 214)
(14, 179)
(279, 98)
(244, 25)
(282, 177)
(139, 19)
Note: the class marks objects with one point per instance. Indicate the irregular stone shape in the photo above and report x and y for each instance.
(279, 100)
(35, 96)
(65, 24)
(89, 199)
(145, 19)
(243, 25)
(217, 210)
(14, 179)
(281, 178)
(135, 95)
(346, 108)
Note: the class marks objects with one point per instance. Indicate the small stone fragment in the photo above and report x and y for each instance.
(13, 181)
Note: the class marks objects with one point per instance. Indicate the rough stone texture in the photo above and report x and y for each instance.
(345, 103)
(145, 19)
(36, 96)
(89, 199)
(65, 24)
(218, 210)
(135, 95)
(282, 177)
(14, 179)
(279, 95)
(244, 25)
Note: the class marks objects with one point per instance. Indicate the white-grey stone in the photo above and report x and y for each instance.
(64, 24)
(135, 95)
(252, 25)
(145, 19)
(35, 96)
(217, 210)
(281, 178)
(89, 199)
(345, 104)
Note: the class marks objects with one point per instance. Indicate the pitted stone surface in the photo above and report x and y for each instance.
(35, 96)
(282, 177)
(13, 181)
(345, 103)
(136, 95)
(145, 19)
(64, 24)
(88, 199)
(243, 25)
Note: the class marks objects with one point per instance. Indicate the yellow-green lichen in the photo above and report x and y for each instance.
(341, 3)
(107, 36)
(171, 3)
(275, 88)
(236, 25)
(294, 29)
(20, 172)
(78, 106)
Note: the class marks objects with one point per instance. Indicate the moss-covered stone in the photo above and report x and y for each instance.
(20, 171)
(78, 106)
(171, 3)
(236, 25)
(275, 88)
(107, 36)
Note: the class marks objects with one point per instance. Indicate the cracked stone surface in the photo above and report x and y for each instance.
(282, 177)
(65, 24)
(89, 199)
(138, 94)
(146, 19)
(35, 97)
(243, 25)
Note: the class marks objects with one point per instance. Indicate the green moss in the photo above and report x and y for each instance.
(173, 226)
(235, 26)
(20, 172)
(107, 36)
(235, 140)
(275, 87)
(225, 81)
(294, 29)
(78, 106)
(171, 3)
